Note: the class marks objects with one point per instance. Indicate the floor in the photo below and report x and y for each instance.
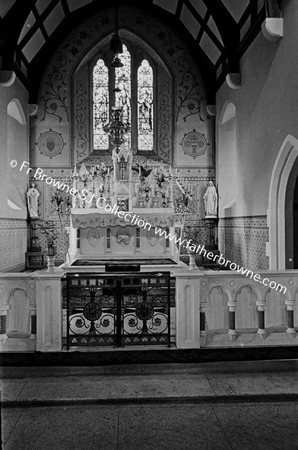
(243, 405)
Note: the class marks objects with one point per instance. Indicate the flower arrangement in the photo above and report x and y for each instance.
(49, 230)
(62, 205)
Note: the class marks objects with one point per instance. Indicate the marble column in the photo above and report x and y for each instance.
(32, 322)
(261, 319)
(290, 304)
(3, 321)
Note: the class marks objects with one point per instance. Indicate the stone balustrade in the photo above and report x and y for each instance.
(17, 312)
(31, 311)
(213, 309)
(235, 311)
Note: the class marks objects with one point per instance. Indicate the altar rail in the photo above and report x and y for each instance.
(226, 309)
(213, 309)
(17, 312)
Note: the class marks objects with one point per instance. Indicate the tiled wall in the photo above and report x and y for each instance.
(243, 241)
(13, 244)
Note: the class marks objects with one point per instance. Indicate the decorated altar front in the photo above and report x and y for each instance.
(123, 211)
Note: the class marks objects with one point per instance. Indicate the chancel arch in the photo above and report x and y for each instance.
(291, 219)
(277, 208)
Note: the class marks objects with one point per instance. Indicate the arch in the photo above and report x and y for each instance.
(255, 292)
(291, 218)
(277, 198)
(217, 314)
(223, 290)
(18, 315)
(246, 308)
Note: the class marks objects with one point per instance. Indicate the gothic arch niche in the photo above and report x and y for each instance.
(162, 112)
(279, 215)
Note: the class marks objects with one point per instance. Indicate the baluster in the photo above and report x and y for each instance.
(3, 321)
(261, 318)
(290, 316)
(232, 327)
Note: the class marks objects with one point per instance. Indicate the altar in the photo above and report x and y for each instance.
(125, 211)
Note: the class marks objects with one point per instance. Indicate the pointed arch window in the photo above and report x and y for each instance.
(123, 85)
(132, 88)
(145, 106)
(100, 105)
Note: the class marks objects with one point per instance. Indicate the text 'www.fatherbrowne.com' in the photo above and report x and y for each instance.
(219, 259)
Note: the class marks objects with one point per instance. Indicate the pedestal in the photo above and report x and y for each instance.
(34, 257)
(188, 310)
(211, 244)
(48, 311)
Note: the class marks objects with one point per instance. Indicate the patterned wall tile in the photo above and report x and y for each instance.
(243, 241)
(13, 243)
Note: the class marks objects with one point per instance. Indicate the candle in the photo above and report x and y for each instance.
(108, 171)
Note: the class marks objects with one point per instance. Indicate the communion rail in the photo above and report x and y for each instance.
(226, 309)
(213, 309)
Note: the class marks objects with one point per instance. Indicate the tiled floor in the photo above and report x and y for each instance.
(184, 410)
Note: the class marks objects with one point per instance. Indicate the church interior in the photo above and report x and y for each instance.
(149, 161)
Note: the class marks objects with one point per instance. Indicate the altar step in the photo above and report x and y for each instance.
(134, 358)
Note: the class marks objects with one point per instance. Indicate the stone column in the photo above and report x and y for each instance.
(203, 324)
(261, 319)
(3, 321)
(188, 310)
(232, 322)
(290, 304)
(32, 322)
(48, 310)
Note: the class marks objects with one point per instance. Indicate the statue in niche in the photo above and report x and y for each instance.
(32, 201)
(210, 201)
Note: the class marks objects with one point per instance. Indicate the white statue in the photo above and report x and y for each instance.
(210, 201)
(32, 201)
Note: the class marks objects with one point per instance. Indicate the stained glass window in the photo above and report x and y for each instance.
(126, 88)
(123, 85)
(145, 106)
(100, 105)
